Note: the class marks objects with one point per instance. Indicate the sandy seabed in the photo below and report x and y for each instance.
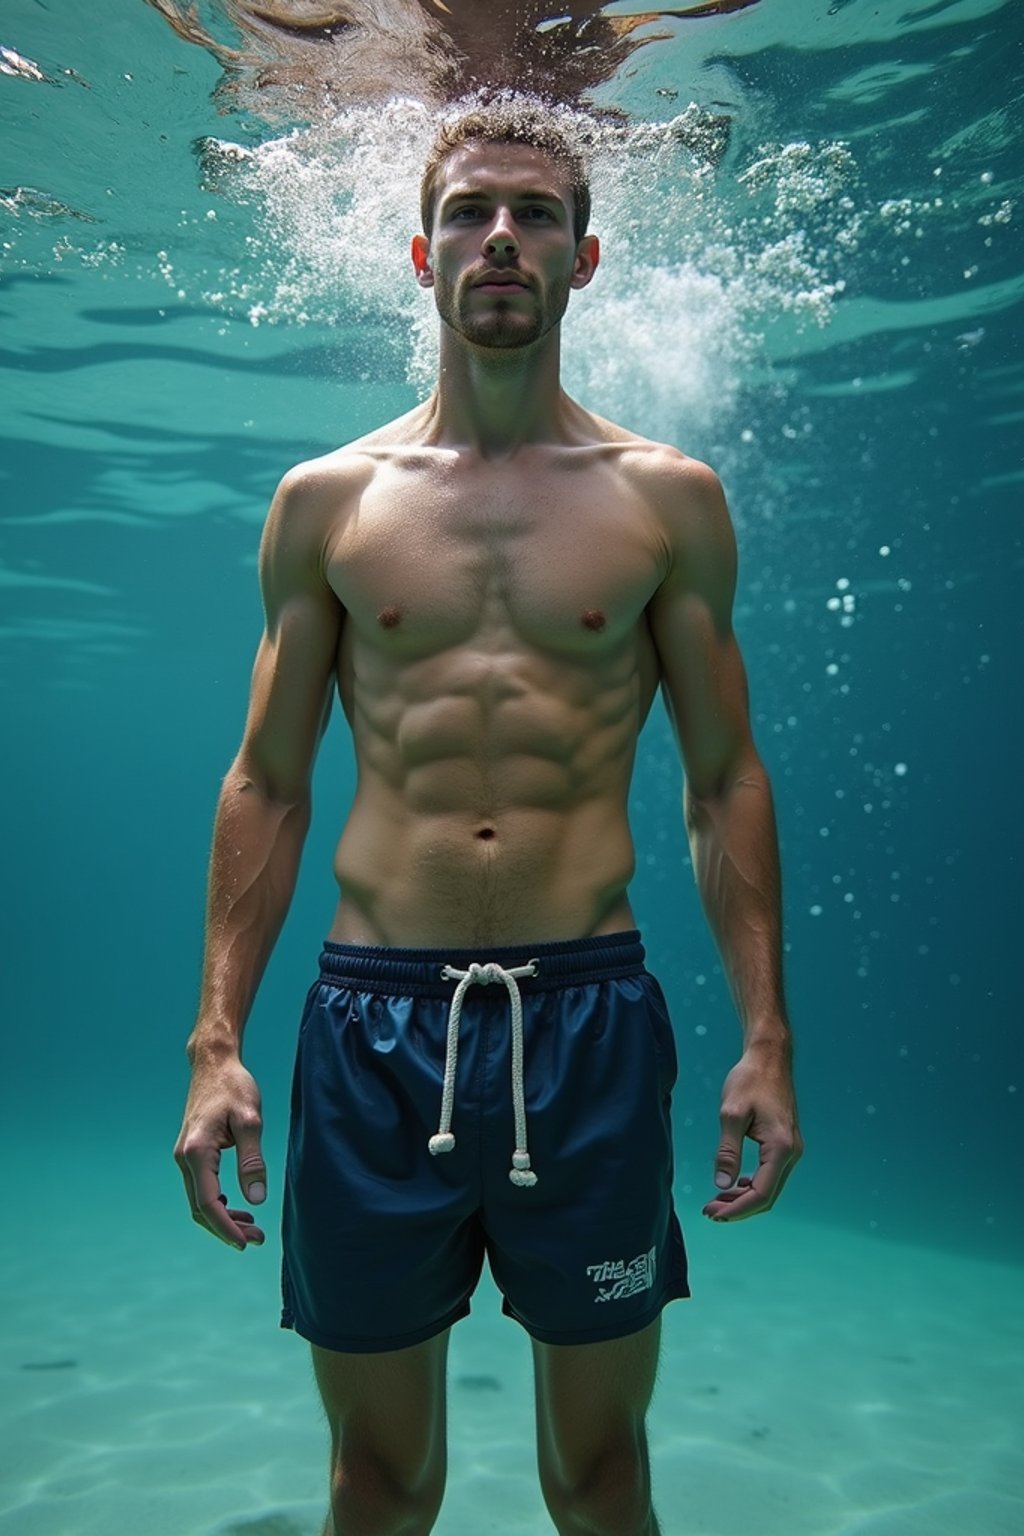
(820, 1383)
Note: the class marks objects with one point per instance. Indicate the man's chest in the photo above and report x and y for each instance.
(563, 562)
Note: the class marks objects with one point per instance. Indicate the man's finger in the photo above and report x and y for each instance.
(780, 1186)
(186, 1178)
(252, 1170)
(736, 1203)
(209, 1208)
(730, 1151)
(246, 1225)
(753, 1196)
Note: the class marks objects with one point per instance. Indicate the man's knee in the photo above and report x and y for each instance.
(387, 1417)
(607, 1495)
(373, 1494)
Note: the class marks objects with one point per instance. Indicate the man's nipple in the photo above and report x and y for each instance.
(389, 618)
(592, 618)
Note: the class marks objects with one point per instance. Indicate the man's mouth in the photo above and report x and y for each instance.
(499, 282)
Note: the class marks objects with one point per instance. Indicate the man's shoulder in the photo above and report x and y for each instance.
(328, 474)
(660, 467)
(349, 468)
(668, 473)
(683, 493)
(310, 505)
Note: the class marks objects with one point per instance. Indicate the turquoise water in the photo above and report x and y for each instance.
(813, 279)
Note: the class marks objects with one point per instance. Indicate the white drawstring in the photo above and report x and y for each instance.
(520, 1173)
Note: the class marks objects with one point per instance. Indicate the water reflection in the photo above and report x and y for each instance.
(300, 58)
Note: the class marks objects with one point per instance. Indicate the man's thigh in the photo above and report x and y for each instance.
(592, 1400)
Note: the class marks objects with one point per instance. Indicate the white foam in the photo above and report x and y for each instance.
(695, 262)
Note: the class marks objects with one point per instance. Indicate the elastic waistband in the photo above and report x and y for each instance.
(417, 972)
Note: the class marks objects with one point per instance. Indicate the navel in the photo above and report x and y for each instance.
(592, 618)
(486, 833)
(389, 618)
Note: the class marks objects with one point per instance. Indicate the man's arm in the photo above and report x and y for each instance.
(262, 818)
(730, 823)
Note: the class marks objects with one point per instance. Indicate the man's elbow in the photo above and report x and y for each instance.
(274, 783)
(709, 784)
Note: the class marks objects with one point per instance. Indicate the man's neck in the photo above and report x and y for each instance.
(493, 401)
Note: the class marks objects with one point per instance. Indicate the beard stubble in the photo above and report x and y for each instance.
(505, 323)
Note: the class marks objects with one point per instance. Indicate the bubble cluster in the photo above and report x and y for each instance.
(692, 270)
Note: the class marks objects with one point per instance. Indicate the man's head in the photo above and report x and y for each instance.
(505, 206)
(509, 120)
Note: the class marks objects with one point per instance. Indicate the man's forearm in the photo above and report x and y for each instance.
(735, 851)
(257, 845)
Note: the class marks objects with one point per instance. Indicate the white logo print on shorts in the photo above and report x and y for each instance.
(616, 1279)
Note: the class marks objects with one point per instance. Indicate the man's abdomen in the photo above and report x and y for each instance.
(540, 874)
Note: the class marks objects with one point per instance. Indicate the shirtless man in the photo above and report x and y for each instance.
(496, 583)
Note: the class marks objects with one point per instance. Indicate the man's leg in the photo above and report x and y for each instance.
(592, 1401)
(388, 1443)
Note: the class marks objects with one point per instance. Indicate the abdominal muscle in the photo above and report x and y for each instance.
(526, 876)
(491, 813)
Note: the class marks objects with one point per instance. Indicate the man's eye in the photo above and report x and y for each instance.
(466, 213)
(538, 213)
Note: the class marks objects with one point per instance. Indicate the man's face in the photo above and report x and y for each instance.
(502, 256)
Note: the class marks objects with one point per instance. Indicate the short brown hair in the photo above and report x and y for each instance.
(509, 119)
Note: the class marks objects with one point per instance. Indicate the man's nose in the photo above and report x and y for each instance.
(500, 238)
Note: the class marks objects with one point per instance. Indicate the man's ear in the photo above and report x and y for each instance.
(421, 261)
(588, 255)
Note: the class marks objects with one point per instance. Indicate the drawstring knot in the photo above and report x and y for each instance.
(520, 1173)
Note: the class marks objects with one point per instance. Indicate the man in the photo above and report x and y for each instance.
(496, 583)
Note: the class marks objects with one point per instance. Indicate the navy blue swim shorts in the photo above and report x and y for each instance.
(449, 1104)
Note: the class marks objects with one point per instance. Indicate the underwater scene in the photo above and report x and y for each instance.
(812, 279)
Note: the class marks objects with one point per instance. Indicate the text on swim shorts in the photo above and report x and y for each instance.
(628, 1277)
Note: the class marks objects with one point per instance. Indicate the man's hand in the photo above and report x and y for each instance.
(223, 1110)
(757, 1102)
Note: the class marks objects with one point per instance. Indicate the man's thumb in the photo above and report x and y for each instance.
(727, 1163)
(252, 1170)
